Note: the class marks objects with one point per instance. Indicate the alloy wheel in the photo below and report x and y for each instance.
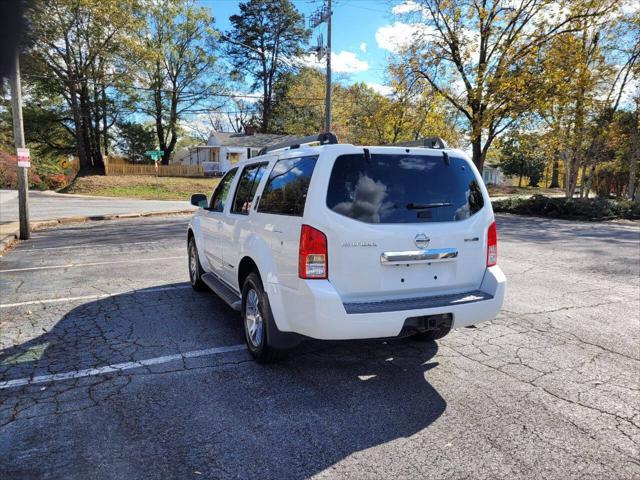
(253, 319)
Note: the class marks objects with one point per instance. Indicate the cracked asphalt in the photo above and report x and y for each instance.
(550, 389)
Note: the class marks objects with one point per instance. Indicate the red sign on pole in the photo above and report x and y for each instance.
(24, 158)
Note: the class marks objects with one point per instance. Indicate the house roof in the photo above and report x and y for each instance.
(257, 140)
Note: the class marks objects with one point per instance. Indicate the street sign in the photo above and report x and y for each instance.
(154, 154)
(24, 157)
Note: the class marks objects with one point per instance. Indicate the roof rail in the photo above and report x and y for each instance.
(428, 142)
(326, 138)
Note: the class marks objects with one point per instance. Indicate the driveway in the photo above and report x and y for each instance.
(112, 367)
(51, 205)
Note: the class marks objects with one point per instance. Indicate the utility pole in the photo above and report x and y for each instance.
(323, 14)
(18, 134)
(328, 92)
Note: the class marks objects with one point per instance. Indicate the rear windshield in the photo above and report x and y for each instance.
(403, 188)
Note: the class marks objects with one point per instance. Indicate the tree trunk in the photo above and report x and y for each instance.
(83, 157)
(476, 146)
(105, 127)
(635, 158)
(87, 120)
(555, 175)
(633, 177)
(583, 179)
(592, 173)
(266, 114)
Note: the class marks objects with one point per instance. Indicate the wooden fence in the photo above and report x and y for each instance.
(163, 170)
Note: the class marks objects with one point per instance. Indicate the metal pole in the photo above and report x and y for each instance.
(18, 134)
(328, 92)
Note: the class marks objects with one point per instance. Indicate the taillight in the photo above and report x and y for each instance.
(312, 260)
(492, 245)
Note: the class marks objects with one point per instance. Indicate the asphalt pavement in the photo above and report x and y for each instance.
(111, 367)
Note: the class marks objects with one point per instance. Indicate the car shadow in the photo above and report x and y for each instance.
(220, 415)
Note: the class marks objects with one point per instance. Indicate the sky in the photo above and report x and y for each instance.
(365, 33)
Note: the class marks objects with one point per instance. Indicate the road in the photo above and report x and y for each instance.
(114, 368)
(51, 206)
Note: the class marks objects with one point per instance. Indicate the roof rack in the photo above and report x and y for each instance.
(428, 142)
(326, 138)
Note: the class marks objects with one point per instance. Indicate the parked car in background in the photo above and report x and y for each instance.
(334, 241)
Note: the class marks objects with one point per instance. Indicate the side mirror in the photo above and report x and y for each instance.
(199, 200)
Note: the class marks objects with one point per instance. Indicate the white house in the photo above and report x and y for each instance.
(492, 175)
(225, 149)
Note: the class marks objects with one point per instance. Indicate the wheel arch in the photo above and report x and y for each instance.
(245, 267)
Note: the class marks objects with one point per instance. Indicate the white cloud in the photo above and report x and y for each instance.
(407, 7)
(400, 35)
(385, 90)
(363, 47)
(341, 62)
(347, 62)
(630, 7)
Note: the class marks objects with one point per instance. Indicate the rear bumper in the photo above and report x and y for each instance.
(317, 311)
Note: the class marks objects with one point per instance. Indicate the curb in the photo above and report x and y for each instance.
(8, 240)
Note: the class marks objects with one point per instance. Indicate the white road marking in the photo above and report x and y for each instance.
(92, 264)
(117, 367)
(68, 247)
(93, 297)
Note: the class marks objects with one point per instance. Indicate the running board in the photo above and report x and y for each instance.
(230, 297)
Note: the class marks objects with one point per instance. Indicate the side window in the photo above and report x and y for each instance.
(219, 197)
(286, 190)
(247, 185)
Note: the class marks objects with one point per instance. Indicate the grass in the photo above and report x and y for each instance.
(141, 186)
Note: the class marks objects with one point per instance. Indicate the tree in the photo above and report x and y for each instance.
(242, 116)
(175, 76)
(587, 72)
(522, 155)
(134, 140)
(265, 37)
(76, 44)
(482, 57)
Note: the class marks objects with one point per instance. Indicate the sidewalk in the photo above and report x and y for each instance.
(47, 209)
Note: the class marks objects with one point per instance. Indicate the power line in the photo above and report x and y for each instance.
(151, 89)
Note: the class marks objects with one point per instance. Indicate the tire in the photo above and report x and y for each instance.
(431, 335)
(195, 269)
(256, 318)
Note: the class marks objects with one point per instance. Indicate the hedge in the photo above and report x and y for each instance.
(592, 209)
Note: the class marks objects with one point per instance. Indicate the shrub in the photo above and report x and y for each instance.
(45, 173)
(9, 173)
(570, 208)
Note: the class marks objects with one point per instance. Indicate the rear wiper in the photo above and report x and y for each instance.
(421, 206)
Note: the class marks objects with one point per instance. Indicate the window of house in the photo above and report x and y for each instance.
(286, 190)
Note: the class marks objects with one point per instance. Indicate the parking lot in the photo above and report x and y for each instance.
(112, 367)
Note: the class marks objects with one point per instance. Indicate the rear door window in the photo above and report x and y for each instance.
(286, 190)
(403, 188)
(219, 197)
(247, 186)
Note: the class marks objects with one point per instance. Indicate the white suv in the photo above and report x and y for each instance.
(336, 241)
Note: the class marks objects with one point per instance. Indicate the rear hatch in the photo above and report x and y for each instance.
(405, 225)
